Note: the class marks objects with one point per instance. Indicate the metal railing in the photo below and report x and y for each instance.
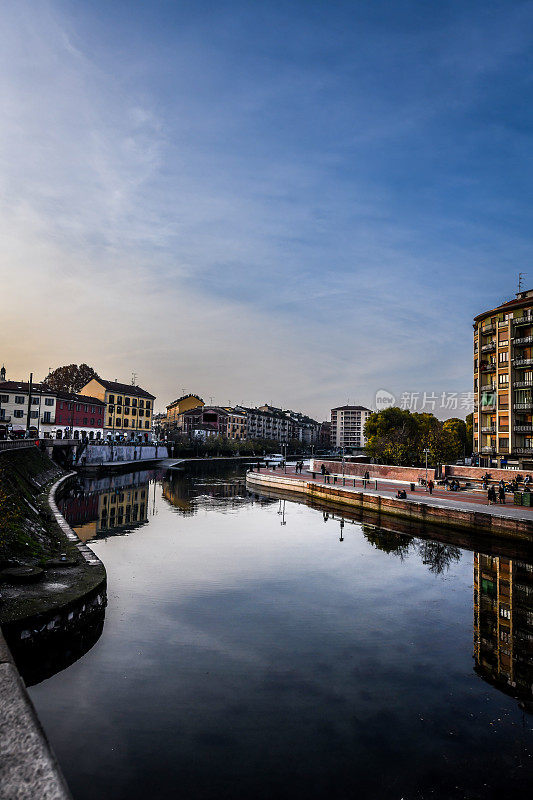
(525, 320)
(523, 340)
(488, 328)
(522, 384)
(523, 362)
(16, 444)
(488, 367)
(51, 421)
(523, 428)
(523, 406)
(523, 450)
(489, 429)
(488, 348)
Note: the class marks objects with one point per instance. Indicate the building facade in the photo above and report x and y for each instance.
(177, 408)
(265, 423)
(347, 427)
(503, 384)
(78, 417)
(128, 409)
(20, 415)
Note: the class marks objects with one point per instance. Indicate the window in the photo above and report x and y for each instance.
(78, 406)
(34, 414)
(504, 444)
(146, 424)
(118, 423)
(503, 357)
(147, 404)
(505, 613)
(46, 416)
(92, 409)
(126, 401)
(110, 421)
(92, 420)
(141, 403)
(49, 401)
(126, 423)
(35, 401)
(126, 409)
(70, 406)
(4, 398)
(18, 413)
(111, 398)
(19, 399)
(85, 420)
(503, 379)
(134, 402)
(85, 408)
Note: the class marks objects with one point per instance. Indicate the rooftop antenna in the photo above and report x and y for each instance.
(210, 400)
(133, 378)
(521, 281)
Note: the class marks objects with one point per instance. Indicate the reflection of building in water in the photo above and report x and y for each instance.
(105, 511)
(503, 624)
(182, 492)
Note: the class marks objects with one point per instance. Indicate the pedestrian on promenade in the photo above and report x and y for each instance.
(491, 495)
(430, 486)
(323, 469)
(501, 494)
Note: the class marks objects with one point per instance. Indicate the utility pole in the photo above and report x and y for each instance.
(30, 384)
(521, 280)
(426, 451)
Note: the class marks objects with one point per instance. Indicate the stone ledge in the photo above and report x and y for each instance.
(28, 767)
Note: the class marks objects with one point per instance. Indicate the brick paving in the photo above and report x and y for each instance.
(464, 500)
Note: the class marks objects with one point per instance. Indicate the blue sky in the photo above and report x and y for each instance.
(297, 202)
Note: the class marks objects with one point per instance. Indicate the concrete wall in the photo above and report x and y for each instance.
(477, 473)
(407, 474)
(106, 454)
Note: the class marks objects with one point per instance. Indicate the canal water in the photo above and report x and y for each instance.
(260, 648)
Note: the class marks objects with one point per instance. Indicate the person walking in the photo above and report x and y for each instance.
(323, 469)
(501, 494)
(430, 486)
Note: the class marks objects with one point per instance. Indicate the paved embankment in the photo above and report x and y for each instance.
(456, 510)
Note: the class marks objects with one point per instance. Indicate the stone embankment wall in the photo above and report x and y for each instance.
(111, 454)
(384, 471)
(477, 522)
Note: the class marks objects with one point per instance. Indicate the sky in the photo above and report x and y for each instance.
(298, 203)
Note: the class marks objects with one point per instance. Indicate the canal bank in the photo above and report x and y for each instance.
(53, 596)
(433, 510)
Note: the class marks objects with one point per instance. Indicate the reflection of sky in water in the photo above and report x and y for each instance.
(242, 657)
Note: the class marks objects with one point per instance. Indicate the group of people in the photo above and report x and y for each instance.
(492, 497)
(299, 466)
(452, 486)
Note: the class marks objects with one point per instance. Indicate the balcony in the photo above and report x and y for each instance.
(523, 428)
(523, 450)
(490, 328)
(522, 384)
(523, 340)
(489, 429)
(486, 367)
(489, 348)
(5, 419)
(523, 362)
(488, 387)
(488, 449)
(525, 320)
(523, 406)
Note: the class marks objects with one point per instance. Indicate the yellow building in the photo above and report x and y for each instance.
(236, 424)
(175, 410)
(503, 384)
(129, 409)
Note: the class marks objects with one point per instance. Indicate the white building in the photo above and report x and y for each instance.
(347, 427)
(15, 406)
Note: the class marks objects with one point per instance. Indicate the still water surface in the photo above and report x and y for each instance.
(257, 648)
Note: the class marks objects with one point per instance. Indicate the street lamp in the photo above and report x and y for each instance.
(426, 451)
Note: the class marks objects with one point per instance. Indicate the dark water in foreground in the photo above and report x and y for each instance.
(258, 649)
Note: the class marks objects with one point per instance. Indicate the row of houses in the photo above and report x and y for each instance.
(101, 410)
(190, 416)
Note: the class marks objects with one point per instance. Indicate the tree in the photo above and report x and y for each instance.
(469, 433)
(70, 378)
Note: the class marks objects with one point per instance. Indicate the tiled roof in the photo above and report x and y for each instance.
(22, 386)
(184, 397)
(124, 388)
(79, 398)
(519, 302)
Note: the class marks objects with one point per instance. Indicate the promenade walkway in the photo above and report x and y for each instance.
(463, 500)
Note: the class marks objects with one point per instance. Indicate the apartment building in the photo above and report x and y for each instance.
(347, 427)
(20, 414)
(129, 409)
(264, 423)
(177, 408)
(78, 416)
(303, 428)
(503, 384)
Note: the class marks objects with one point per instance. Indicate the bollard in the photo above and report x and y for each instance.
(376, 486)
